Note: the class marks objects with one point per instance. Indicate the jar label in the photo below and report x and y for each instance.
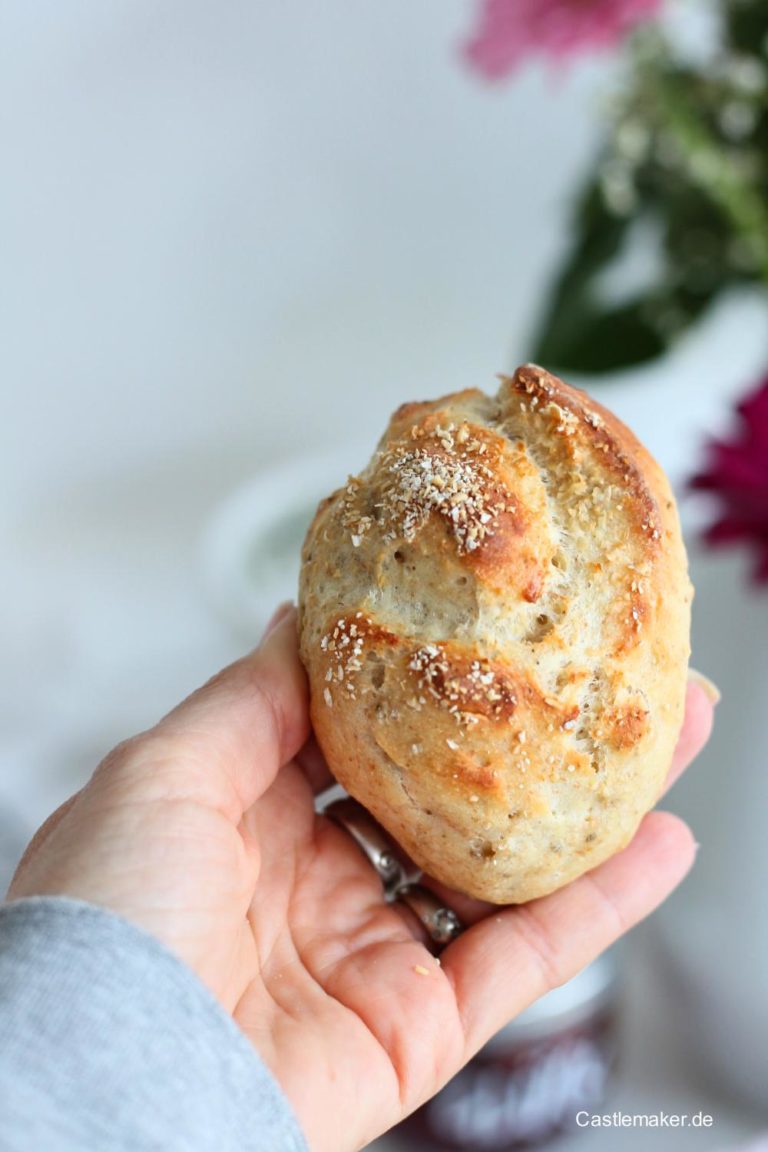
(488, 1105)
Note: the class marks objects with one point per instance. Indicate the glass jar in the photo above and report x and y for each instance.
(532, 1078)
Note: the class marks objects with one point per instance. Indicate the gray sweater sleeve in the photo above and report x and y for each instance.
(107, 1041)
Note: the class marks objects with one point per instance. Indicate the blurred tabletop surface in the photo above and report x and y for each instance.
(237, 237)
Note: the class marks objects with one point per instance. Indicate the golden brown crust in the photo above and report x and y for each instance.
(494, 619)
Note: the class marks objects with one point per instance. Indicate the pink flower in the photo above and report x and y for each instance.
(737, 473)
(510, 30)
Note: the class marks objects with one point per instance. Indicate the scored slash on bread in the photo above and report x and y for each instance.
(495, 618)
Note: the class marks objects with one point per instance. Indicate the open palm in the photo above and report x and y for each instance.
(203, 831)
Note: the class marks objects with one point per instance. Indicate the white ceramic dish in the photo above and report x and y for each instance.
(251, 548)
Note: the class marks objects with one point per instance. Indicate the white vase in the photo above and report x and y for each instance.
(712, 936)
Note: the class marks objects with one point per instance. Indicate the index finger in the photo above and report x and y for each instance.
(514, 956)
(700, 703)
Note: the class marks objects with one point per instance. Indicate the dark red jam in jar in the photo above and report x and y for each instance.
(532, 1078)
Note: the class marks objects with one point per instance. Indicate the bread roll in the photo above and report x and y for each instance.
(495, 620)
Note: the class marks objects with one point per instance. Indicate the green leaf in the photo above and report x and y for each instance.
(576, 332)
(590, 341)
(581, 331)
(584, 335)
(674, 160)
(746, 23)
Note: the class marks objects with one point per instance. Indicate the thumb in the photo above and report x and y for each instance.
(221, 747)
(226, 742)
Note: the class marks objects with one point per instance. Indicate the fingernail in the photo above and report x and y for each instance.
(708, 687)
(279, 614)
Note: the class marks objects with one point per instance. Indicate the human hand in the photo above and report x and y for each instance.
(203, 832)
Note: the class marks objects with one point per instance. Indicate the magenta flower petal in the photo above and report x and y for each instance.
(727, 531)
(737, 474)
(510, 30)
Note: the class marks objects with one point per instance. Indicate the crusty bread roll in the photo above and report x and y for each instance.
(495, 621)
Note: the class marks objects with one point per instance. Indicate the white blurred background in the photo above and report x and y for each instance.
(233, 237)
